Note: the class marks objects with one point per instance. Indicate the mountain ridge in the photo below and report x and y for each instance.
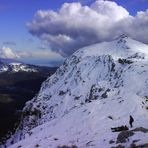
(96, 89)
(11, 65)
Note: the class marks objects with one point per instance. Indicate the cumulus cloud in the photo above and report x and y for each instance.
(136, 27)
(74, 25)
(6, 52)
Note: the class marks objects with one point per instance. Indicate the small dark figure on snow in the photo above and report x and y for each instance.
(131, 121)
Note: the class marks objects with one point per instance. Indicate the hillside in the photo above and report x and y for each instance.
(96, 89)
(16, 88)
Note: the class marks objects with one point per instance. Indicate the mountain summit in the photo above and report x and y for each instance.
(90, 99)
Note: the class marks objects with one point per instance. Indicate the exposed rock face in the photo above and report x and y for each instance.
(100, 81)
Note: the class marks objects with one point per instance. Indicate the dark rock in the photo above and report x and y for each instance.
(140, 129)
(124, 61)
(123, 136)
(120, 128)
(111, 142)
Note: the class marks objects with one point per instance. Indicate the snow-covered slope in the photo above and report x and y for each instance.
(9, 65)
(96, 89)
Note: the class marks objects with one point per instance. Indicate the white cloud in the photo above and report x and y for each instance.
(6, 52)
(74, 26)
(110, 9)
(136, 27)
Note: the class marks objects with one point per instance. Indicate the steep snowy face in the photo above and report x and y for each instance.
(8, 65)
(96, 89)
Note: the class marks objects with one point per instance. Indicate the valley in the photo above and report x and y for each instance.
(16, 88)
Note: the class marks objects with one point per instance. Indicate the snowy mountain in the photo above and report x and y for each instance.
(10, 65)
(95, 90)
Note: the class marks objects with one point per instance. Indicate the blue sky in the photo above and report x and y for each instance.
(14, 15)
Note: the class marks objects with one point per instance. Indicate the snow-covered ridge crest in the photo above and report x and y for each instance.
(97, 88)
(123, 46)
(10, 65)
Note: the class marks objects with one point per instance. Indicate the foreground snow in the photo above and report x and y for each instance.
(86, 126)
(96, 89)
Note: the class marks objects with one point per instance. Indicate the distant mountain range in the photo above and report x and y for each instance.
(10, 65)
(90, 100)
